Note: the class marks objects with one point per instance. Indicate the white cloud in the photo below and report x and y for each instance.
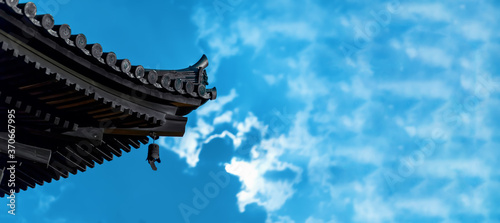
(436, 12)
(411, 52)
(318, 168)
(357, 88)
(250, 122)
(453, 168)
(190, 145)
(271, 194)
(314, 220)
(425, 207)
(298, 30)
(476, 31)
(273, 79)
(280, 219)
(304, 83)
(329, 131)
(364, 155)
(224, 118)
(410, 130)
(431, 55)
(468, 82)
(372, 211)
(395, 44)
(242, 127)
(204, 128)
(256, 189)
(216, 105)
(223, 46)
(417, 88)
(251, 34)
(186, 147)
(354, 124)
(265, 157)
(474, 202)
(201, 18)
(224, 134)
(45, 202)
(369, 206)
(362, 65)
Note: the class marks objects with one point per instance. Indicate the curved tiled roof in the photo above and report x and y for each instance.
(66, 91)
(189, 82)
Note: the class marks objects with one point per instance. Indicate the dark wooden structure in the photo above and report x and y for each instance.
(76, 105)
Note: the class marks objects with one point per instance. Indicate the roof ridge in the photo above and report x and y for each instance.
(189, 82)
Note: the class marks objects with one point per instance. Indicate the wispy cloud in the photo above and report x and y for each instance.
(190, 145)
(352, 119)
(217, 105)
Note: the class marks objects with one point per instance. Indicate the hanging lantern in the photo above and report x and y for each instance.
(153, 155)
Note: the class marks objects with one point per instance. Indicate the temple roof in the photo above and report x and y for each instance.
(77, 105)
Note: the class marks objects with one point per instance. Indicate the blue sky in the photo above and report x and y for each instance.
(327, 112)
